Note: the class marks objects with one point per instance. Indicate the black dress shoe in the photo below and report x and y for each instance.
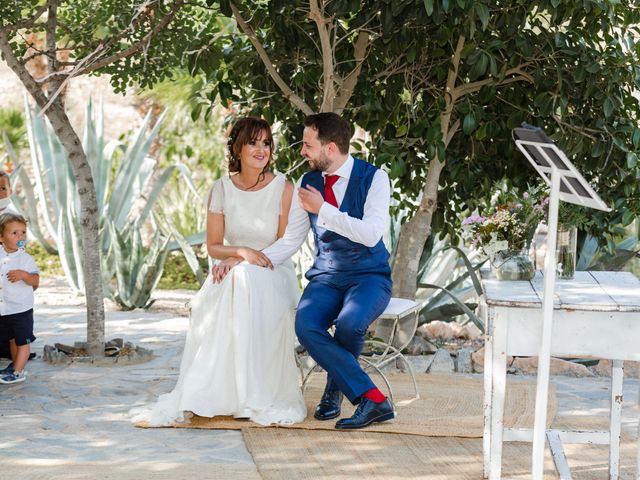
(329, 406)
(367, 413)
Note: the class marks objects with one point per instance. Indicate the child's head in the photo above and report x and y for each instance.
(5, 190)
(13, 230)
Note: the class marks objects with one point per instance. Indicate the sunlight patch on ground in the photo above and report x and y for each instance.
(36, 462)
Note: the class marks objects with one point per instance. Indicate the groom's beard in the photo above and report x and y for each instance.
(321, 163)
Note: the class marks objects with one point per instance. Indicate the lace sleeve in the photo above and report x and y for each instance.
(216, 204)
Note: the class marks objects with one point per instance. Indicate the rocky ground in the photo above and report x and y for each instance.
(73, 420)
(450, 347)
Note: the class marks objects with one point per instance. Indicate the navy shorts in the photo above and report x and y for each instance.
(18, 327)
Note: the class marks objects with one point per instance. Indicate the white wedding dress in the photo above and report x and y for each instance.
(239, 353)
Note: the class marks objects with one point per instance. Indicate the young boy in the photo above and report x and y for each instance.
(19, 277)
(6, 206)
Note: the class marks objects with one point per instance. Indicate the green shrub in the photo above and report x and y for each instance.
(48, 263)
(177, 273)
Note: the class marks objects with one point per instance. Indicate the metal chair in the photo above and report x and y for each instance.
(394, 330)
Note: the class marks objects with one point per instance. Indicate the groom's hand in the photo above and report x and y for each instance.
(310, 199)
(255, 257)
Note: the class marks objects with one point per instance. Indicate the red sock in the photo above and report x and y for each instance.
(375, 395)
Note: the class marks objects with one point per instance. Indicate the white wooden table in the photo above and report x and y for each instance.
(597, 314)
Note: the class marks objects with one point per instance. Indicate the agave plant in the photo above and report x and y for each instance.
(137, 268)
(447, 281)
(183, 215)
(26, 205)
(592, 257)
(55, 186)
(460, 292)
(448, 286)
(126, 201)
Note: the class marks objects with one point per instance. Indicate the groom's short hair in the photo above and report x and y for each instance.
(331, 127)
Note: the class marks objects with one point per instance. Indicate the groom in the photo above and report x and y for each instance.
(345, 201)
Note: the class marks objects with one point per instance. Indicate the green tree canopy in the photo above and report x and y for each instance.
(438, 85)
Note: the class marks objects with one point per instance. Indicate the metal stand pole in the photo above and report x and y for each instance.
(544, 356)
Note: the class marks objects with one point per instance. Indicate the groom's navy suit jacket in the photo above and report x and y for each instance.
(336, 254)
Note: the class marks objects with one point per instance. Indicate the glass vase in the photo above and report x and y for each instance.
(566, 252)
(513, 265)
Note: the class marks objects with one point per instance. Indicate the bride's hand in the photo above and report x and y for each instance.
(219, 271)
(254, 257)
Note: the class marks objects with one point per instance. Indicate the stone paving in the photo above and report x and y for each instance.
(74, 414)
(68, 420)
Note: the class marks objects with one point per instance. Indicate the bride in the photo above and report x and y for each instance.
(239, 353)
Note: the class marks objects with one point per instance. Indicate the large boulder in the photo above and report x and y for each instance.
(529, 366)
(603, 369)
(470, 332)
(419, 346)
(437, 330)
(464, 362)
(478, 360)
(442, 362)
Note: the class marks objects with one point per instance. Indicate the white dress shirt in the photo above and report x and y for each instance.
(368, 231)
(15, 297)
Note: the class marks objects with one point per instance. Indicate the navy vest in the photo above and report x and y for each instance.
(335, 253)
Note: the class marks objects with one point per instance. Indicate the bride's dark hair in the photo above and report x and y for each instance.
(245, 130)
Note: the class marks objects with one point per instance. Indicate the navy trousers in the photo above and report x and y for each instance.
(351, 302)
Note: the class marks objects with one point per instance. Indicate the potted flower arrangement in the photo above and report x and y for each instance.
(504, 233)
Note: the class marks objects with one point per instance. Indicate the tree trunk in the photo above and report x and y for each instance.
(414, 234)
(88, 204)
(89, 229)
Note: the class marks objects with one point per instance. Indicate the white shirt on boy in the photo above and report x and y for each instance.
(9, 209)
(15, 297)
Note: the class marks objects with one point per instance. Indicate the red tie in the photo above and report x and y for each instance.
(329, 196)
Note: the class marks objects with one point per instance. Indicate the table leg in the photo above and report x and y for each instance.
(617, 376)
(498, 385)
(557, 454)
(488, 392)
(638, 457)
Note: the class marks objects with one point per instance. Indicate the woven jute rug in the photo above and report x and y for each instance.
(69, 469)
(450, 406)
(298, 454)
